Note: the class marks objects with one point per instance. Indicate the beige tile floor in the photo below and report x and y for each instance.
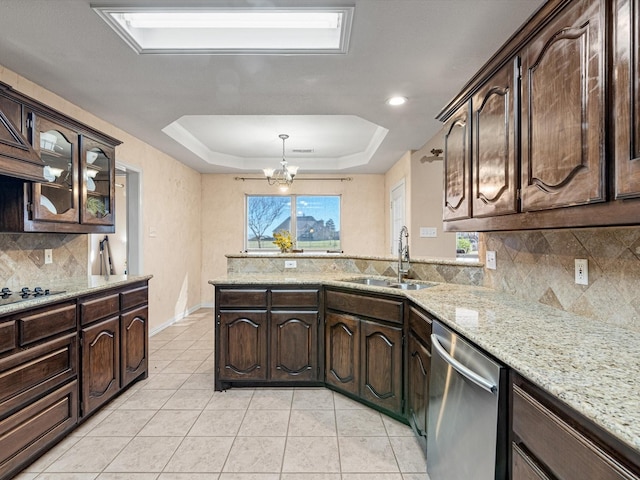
(173, 426)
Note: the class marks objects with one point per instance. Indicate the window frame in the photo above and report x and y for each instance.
(293, 199)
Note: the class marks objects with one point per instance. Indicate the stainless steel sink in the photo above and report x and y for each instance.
(389, 283)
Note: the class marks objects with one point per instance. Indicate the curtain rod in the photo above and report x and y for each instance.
(341, 179)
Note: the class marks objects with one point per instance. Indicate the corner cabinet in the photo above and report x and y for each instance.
(364, 348)
(555, 135)
(267, 335)
(74, 192)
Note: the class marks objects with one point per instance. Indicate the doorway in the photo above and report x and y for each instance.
(120, 253)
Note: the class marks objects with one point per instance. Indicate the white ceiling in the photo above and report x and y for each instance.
(229, 110)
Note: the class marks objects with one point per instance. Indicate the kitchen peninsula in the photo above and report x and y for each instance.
(584, 372)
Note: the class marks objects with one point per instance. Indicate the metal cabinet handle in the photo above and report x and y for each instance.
(469, 374)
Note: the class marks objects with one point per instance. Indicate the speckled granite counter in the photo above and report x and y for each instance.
(73, 288)
(590, 367)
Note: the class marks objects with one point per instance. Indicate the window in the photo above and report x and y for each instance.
(467, 245)
(315, 220)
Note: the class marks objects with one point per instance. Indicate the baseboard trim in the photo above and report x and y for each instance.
(177, 318)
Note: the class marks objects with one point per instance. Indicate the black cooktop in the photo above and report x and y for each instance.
(7, 296)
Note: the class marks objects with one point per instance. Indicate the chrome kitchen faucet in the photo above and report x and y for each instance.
(403, 253)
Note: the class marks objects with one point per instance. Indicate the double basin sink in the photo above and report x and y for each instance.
(389, 283)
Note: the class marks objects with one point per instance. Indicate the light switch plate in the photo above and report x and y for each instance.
(491, 260)
(290, 264)
(428, 232)
(48, 256)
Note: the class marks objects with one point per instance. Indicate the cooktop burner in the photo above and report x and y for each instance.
(25, 293)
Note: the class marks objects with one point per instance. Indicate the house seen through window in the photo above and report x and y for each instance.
(312, 220)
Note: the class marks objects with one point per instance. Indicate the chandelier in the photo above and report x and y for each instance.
(282, 177)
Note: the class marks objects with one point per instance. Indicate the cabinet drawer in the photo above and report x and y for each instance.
(294, 298)
(242, 298)
(30, 430)
(97, 308)
(46, 322)
(25, 375)
(7, 336)
(134, 297)
(379, 308)
(565, 451)
(420, 323)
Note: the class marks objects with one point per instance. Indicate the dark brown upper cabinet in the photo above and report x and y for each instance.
(555, 141)
(74, 191)
(97, 167)
(55, 199)
(495, 168)
(457, 163)
(17, 157)
(563, 111)
(626, 97)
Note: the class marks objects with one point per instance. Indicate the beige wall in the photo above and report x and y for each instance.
(423, 183)
(427, 194)
(171, 207)
(223, 203)
(401, 170)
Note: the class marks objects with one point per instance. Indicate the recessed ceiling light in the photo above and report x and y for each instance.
(177, 30)
(395, 101)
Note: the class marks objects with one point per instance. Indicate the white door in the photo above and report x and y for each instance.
(398, 218)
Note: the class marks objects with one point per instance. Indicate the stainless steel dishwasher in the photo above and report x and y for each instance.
(467, 411)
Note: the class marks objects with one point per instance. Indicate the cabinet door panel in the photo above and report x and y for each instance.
(494, 149)
(97, 165)
(418, 398)
(626, 92)
(342, 350)
(56, 198)
(243, 344)
(381, 381)
(457, 162)
(294, 353)
(100, 363)
(135, 341)
(563, 112)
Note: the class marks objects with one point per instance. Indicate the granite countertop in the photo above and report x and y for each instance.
(73, 288)
(589, 365)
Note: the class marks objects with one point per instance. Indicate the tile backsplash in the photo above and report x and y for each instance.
(22, 259)
(539, 266)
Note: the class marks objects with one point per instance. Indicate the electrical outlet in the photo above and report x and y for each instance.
(290, 264)
(491, 260)
(48, 256)
(582, 271)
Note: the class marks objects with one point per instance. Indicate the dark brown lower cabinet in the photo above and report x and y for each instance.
(342, 350)
(100, 363)
(364, 357)
(294, 345)
(552, 441)
(37, 426)
(135, 344)
(381, 357)
(267, 334)
(243, 345)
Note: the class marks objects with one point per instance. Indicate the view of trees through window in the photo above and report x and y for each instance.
(313, 221)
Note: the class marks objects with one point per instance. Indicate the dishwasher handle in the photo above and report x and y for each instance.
(469, 374)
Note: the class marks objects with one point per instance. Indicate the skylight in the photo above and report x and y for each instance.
(176, 30)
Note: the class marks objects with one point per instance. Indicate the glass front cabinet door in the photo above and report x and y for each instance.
(56, 199)
(97, 167)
